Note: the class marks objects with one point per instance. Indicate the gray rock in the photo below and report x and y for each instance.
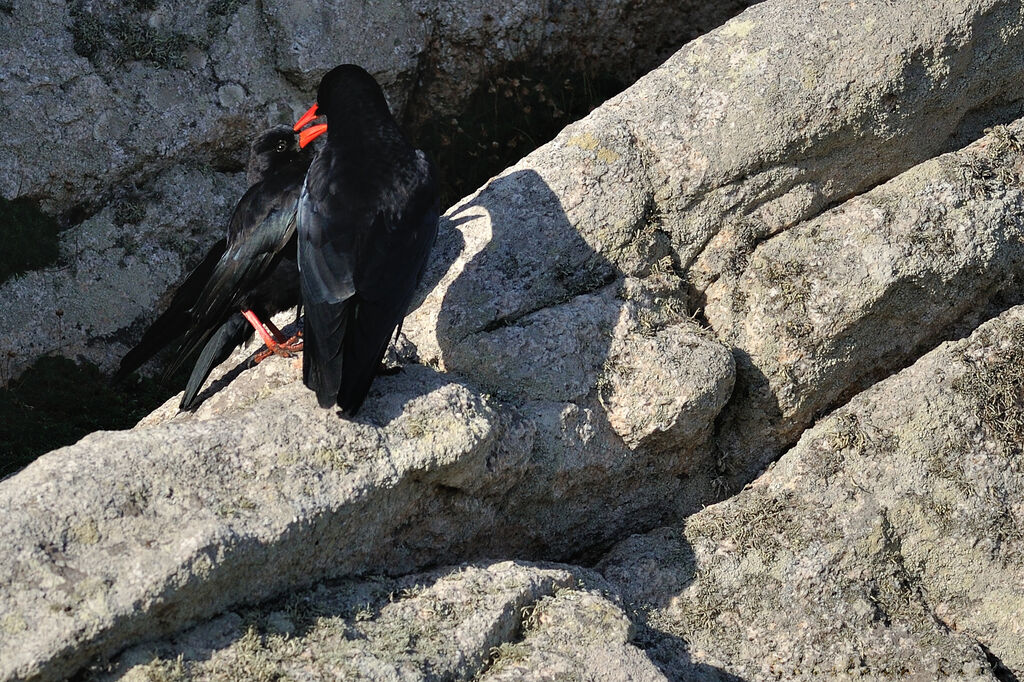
(99, 101)
(832, 304)
(112, 271)
(575, 635)
(885, 544)
(260, 491)
(566, 397)
(694, 165)
(447, 624)
(504, 620)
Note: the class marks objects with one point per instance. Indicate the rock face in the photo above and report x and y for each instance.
(830, 305)
(886, 544)
(132, 121)
(622, 328)
(499, 621)
(433, 469)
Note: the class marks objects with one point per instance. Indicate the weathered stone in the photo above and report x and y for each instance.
(887, 543)
(112, 271)
(574, 635)
(260, 491)
(567, 398)
(829, 306)
(100, 99)
(448, 624)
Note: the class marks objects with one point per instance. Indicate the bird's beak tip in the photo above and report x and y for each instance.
(305, 118)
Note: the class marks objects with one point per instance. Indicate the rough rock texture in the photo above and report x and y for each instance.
(260, 491)
(886, 544)
(506, 620)
(832, 304)
(105, 106)
(557, 393)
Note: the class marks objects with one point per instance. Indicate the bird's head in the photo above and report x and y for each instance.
(271, 150)
(346, 93)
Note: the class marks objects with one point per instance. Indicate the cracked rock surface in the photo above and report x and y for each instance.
(111, 110)
(886, 544)
(797, 241)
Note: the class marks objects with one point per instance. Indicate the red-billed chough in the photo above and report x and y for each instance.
(245, 278)
(367, 219)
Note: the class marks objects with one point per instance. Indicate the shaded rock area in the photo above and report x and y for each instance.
(109, 110)
(832, 304)
(886, 544)
(802, 232)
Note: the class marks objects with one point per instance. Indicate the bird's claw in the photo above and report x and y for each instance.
(285, 349)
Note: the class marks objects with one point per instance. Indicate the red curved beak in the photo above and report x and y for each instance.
(312, 132)
(305, 118)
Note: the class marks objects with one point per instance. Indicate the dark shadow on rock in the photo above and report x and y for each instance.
(648, 574)
(752, 409)
(530, 321)
(447, 247)
(535, 258)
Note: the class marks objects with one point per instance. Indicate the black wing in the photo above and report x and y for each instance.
(326, 251)
(358, 271)
(172, 322)
(230, 335)
(262, 224)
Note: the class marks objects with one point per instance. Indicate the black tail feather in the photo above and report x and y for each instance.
(367, 340)
(230, 335)
(321, 355)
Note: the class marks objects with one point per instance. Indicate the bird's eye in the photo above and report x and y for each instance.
(282, 145)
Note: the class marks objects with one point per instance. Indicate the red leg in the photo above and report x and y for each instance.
(275, 346)
(278, 336)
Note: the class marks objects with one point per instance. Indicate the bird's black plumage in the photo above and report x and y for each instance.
(254, 268)
(367, 219)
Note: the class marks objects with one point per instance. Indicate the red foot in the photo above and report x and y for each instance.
(276, 344)
(285, 349)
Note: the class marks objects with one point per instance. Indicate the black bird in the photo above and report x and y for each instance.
(247, 277)
(367, 219)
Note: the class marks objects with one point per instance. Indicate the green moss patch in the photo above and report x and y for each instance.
(29, 238)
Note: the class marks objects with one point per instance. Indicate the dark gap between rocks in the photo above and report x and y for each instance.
(58, 401)
(30, 238)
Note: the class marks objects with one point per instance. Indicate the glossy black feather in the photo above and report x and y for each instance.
(254, 268)
(227, 337)
(367, 219)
